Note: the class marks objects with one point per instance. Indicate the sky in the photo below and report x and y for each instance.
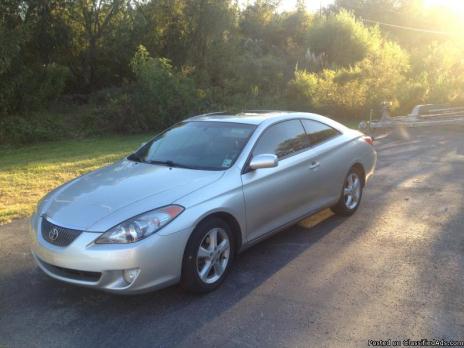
(314, 5)
(455, 5)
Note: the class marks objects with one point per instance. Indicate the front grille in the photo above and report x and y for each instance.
(58, 235)
(72, 273)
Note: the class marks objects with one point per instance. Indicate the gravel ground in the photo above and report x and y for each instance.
(394, 270)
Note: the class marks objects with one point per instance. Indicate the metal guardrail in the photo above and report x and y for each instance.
(421, 116)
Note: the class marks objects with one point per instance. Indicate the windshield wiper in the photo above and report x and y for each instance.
(169, 164)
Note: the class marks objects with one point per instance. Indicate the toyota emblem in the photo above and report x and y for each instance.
(53, 234)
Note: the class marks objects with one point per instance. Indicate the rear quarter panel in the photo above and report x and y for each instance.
(361, 152)
(340, 154)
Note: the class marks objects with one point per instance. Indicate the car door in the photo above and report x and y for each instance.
(275, 196)
(326, 182)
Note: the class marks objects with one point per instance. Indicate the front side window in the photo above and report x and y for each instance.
(282, 139)
(318, 132)
(207, 145)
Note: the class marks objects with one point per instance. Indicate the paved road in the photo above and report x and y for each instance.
(394, 270)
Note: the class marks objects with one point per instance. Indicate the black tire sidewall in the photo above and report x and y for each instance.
(355, 171)
(190, 279)
(340, 207)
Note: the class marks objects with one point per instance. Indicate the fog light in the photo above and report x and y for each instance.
(130, 274)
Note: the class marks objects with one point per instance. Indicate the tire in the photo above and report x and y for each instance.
(346, 206)
(195, 274)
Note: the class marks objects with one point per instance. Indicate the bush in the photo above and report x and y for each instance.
(257, 82)
(26, 130)
(350, 92)
(42, 86)
(161, 95)
(439, 70)
(323, 93)
(32, 89)
(343, 40)
(112, 111)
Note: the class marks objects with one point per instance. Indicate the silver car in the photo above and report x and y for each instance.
(181, 207)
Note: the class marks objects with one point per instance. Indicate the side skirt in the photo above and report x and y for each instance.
(281, 228)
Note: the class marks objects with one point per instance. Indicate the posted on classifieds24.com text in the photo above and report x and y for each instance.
(408, 342)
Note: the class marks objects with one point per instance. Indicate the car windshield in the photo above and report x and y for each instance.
(208, 145)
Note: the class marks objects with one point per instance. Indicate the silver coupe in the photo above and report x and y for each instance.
(181, 207)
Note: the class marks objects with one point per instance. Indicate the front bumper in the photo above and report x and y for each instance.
(158, 259)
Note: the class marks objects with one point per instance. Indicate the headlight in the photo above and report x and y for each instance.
(140, 226)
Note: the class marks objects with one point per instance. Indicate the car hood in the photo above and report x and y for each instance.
(84, 201)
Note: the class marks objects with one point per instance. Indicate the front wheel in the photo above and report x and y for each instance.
(351, 195)
(208, 256)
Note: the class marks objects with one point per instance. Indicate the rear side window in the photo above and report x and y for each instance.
(282, 139)
(318, 132)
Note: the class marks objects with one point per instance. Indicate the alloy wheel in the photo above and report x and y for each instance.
(213, 255)
(352, 191)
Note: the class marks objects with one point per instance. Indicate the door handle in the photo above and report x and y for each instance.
(314, 165)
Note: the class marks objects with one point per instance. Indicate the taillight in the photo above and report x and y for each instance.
(368, 139)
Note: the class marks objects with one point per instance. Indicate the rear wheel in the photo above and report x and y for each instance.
(208, 256)
(351, 195)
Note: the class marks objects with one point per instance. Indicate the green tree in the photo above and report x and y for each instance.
(161, 95)
(92, 21)
(351, 90)
(29, 77)
(343, 40)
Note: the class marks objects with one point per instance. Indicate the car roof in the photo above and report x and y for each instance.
(254, 117)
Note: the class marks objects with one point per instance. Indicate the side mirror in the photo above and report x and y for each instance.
(264, 161)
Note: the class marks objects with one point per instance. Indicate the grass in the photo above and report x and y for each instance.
(28, 173)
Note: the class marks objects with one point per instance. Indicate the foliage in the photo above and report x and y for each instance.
(342, 39)
(440, 73)
(129, 66)
(29, 89)
(350, 92)
(407, 13)
(161, 95)
(20, 130)
(27, 82)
